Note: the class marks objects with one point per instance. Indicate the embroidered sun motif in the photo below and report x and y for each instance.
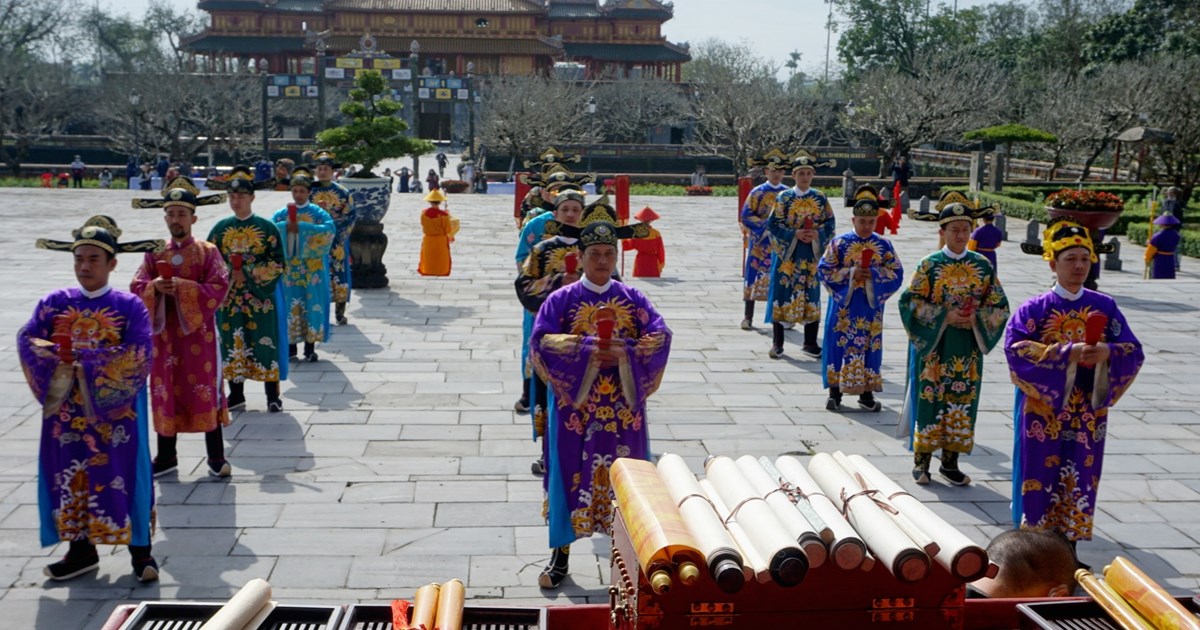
(93, 329)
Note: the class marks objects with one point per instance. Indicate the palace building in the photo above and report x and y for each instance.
(453, 37)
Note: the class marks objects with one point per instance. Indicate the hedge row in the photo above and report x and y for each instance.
(1189, 245)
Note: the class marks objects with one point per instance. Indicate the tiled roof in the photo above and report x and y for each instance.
(398, 46)
(440, 6)
(308, 6)
(628, 52)
(241, 44)
(569, 11)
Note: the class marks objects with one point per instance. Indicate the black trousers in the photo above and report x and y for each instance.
(214, 444)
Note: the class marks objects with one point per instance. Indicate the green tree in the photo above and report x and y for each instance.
(374, 132)
(1149, 27)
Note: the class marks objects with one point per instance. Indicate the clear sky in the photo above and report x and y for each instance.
(773, 27)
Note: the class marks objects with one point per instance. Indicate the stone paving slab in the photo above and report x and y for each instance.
(399, 460)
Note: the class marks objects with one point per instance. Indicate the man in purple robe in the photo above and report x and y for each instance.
(1162, 248)
(986, 238)
(602, 348)
(86, 356)
(1065, 386)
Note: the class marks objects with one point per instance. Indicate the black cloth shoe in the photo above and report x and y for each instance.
(81, 558)
(162, 466)
(775, 352)
(311, 357)
(553, 575)
(219, 468)
(921, 476)
(954, 476)
(833, 404)
(292, 351)
(145, 569)
(812, 351)
(274, 405)
(340, 313)
(868, 402)
(521, 406)
(538, 468)
(236, 401)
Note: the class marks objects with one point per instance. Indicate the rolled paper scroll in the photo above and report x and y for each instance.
(910, 529)
(292, 211)
(797, 526)
(425, 606)
(808, 223)
(755, 563)
(712, 539)
(847, 548)
(245, 606)
(451, 598)
(237, 261)
(1117, 608)
(1147, 597)
(571, 262)
(787, 561)
(165, 270)
(802, 504)
(961, 557)
(606, 321)
(887, 542)
(65, 346)
(660, 537)
(868, 563)
(867, 255)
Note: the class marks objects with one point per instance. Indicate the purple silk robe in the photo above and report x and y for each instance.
(1061, 414)
(985, 239)
(1160, 254)
(599, 413)
(94, 477)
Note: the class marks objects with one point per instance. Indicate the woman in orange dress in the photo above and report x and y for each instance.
(439, 229)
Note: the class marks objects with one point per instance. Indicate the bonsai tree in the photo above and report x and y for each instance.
(374, 133)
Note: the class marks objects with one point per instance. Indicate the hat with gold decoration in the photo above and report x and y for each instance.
(551, 157)
(180, 192)
(101, 231)
(325, 158)
(599, 226)
(1059, 236)
(866, 201)
(302, 176)
(240, 180)
(808, 160)
(952, 206)
(774, 158)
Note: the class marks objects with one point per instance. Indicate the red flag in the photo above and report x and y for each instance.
(520, 191)
(622, 185)
(896, 207)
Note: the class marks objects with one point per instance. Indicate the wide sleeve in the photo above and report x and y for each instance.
(105, 378)
(1152, 247)
(777, 225)
(316, 239)
(1038, 369)
(887, 274)
(143, 287)
(826, 223)
(530, 233)
(537, 281)
(991, 314)
(264, 270)
(751, 216)
(833, 274)
(646, 356)
(561, 359)
(197, 300)
(923, 319)
(1125, 358)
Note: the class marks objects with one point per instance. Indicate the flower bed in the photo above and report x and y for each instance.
(1085, 201)
(454, 186)
(699, 191)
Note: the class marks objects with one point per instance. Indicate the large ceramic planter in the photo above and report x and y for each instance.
(367, 240)
(1096, 221)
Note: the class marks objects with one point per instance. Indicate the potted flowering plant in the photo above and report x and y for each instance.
(454, 186)
(1093, 209)
(698, 191)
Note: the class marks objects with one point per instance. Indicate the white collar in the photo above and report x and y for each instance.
(1065, 294)
(101, 292)
(801, 192)
(952, 255)
(566, 239)
(595, 288)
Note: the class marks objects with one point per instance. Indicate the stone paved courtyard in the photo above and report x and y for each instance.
(398, 459)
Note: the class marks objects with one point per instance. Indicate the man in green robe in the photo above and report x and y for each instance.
(249, 320)
(954, 311)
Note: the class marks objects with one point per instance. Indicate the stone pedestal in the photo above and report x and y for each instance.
(1112, 258)
(367, 245)
(975, 175)
(1033, 233)
(1001, 223)
(995, 178)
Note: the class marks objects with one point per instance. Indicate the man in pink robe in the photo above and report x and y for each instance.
(183, 287)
